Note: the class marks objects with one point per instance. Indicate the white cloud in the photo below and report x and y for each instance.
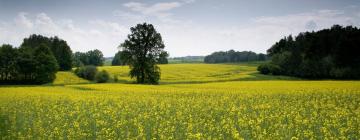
(157, 9)
(22, 21)
(181, 37)
(103, 35)
(256, 35)
(142, 11)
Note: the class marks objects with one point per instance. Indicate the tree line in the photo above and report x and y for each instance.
(36, 61)
(92, 57)
(232, 56)
(38, 58)
(328, 53)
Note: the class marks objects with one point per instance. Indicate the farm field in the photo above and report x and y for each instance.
(199, 73)
(193, 101)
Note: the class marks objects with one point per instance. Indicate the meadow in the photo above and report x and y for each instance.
(193, 101)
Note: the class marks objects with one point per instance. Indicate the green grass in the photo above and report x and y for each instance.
(68, 77)
(200, 73)
(193, 101)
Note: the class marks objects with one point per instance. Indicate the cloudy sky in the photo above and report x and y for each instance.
(188, 27)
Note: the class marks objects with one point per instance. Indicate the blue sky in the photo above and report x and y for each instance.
(188, 27)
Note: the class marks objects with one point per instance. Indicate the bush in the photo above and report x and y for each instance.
(86, 72)
(269, 68)
(102, 76)
(116, 79)
(264, 69)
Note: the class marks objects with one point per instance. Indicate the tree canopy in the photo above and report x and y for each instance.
(59, 48)
(234, 56)
(328, 53)
(92, 57)
(119, 59)
(27, 65)
(142, 49)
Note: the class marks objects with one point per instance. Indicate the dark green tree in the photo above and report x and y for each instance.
(143, 47)
(95, 57)
(119, 59)
(87, 72)
(328, 53)
(163, 58)
(102, 76)
(234, 57)
(59, 48)
(46, 65)
(8, 62)
(62, 53)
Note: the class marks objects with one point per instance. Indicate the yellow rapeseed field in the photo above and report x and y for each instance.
(197, 73)
(260, 109)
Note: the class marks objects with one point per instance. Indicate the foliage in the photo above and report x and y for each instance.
(142, 49)
(234, 56)
(87, 72)
(186, 59)
(59, 48)
(92, 57)
(27, 65)
(62, 53)
(102, 76)
(328, 53)
(268, 68)
(163, 58)
(119, 59)
(46, 65)
(229, 110)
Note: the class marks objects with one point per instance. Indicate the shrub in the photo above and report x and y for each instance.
(86, 72)
(264, 69)
(116, 79)
(269, 68)
(102, 76)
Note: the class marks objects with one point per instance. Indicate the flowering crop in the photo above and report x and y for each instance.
(225, 110)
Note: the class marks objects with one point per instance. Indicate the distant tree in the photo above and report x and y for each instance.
(143, 47)
(163, 58)
(262, 57)
(233, 57)
(95, 57)
(92, 57)
(46, 65)
(78, 59)
(119, 59)
(62, 53)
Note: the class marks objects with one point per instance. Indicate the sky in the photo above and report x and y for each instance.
(188, 27)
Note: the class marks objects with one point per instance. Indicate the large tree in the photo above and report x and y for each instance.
(46, 65)
(142, 48)
(62, 53)
(59, 48)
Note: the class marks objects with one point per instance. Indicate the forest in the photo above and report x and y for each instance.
(328, 53)
(232, 56)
